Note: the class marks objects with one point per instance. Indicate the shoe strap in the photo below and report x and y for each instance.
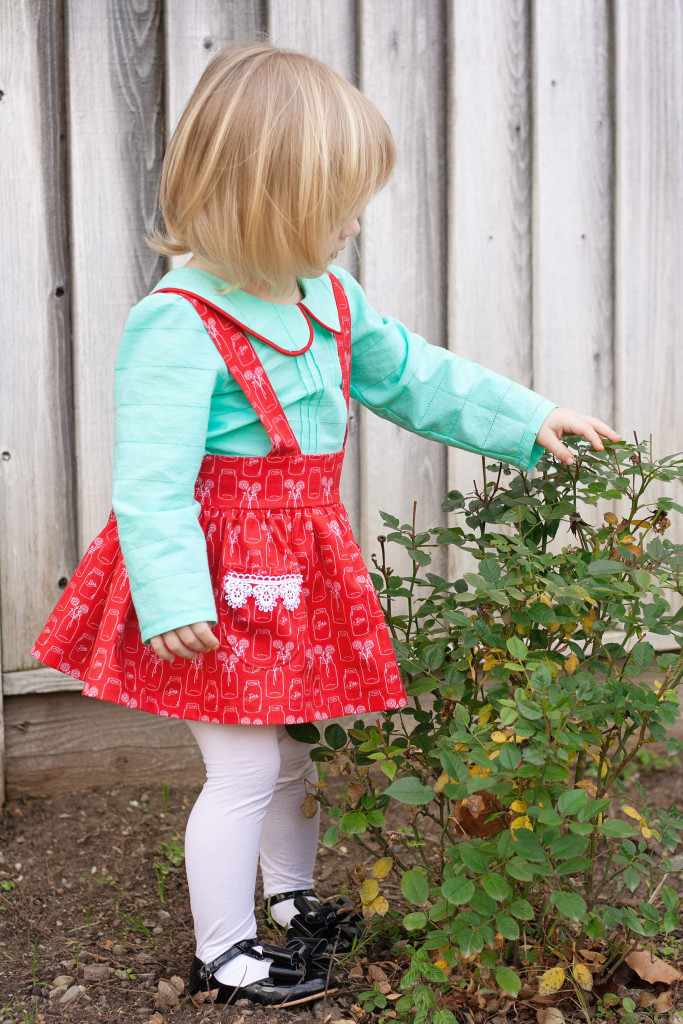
(282, 896)
(243, 948)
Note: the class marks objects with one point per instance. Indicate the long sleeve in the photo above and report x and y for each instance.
(437, 394)
(166, 371)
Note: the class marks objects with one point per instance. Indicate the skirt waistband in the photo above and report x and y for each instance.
(270, 482)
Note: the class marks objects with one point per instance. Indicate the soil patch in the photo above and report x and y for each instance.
(94, 906)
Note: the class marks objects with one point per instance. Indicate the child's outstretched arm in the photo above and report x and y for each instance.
(565, 421)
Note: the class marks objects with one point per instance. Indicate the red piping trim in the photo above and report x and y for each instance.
(247, 330)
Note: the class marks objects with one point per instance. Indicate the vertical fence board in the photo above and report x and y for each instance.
(195, 31)
(328, 33)
(115, 110)
(37, 534)
(573, 267)
(489, 198)
(649, 222)
(403, 249)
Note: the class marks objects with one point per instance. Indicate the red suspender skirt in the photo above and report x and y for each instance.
(302, 634)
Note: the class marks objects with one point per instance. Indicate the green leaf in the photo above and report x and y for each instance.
(354, 823)
(568, 846)
(643, 654)
(414, 886)
(458, 890)
(669, 898)
(411, 922)
(410, 790)
(615, 828)
(452, 764)
(335, 736)
(496, 886)
(509, 757)
(304, 733)
(443, 1017)
(605, 567)
(631, 878)
(573, 801)
(520, 869)
(331, 836)
(522, 910)
(570, 904)
(508, 980)
(507, 926)
(473, 859)
(517, 648)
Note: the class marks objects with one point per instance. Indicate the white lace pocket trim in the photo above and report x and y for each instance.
(265, 590)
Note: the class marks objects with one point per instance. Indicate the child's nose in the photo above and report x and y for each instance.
(351, 229)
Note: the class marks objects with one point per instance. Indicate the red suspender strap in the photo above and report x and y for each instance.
(245, 366)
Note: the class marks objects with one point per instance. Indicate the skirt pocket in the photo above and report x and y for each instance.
(264, 616)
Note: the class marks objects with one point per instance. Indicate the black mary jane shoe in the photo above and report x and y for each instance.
(331, 922)
(295, 975)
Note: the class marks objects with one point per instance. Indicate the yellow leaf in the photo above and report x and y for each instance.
(610, 518)
(587, 623)
(553, 627)
(478, 770)
(545, 599)
(441, 782)
(568, 628)
(500, 737)
(485, 714)
(519, 806)
(583, 977)
(571, 663)
(646, 832)
(382, 867)
(632, 813)
(551, 981)
(523, 822)
(588, 786)
(444, 966)
(380, 905)
(369, 890)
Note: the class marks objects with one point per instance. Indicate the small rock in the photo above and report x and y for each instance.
(95, 972)
(117, 949)
(163, 914)
(156, 1018)
(58, 991)
(178, 984)
(157, 930)
(67, 964)
(71, 994)
(166, 996)
(242, 1002)
(62, 979)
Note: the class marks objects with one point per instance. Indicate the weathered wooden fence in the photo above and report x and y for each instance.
(534, 223)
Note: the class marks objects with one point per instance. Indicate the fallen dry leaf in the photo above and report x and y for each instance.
(652, 969)
(549, 1015)
(593, 956)
(166, 996)
(551, 981)
(582, 977)
(664, 1003)
(375, 973)
(470, 816)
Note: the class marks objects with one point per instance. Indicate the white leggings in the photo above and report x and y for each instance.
(250, 804)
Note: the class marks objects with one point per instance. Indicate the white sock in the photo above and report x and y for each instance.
(282, 913)
(243, 970)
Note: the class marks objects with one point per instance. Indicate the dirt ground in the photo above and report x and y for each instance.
(94, 912)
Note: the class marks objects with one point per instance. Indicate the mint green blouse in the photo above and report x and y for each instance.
(176, 400)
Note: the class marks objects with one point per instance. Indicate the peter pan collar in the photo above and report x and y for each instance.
(286, 326)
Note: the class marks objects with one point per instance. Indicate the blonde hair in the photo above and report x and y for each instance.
(274, 154)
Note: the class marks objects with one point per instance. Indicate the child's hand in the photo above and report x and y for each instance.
(185, 642)
(566, 421)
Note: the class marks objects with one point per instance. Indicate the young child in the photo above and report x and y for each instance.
(226, 588)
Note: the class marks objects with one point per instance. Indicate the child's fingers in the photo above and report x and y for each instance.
(205, 636)
(160, 649)
(603, 429)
